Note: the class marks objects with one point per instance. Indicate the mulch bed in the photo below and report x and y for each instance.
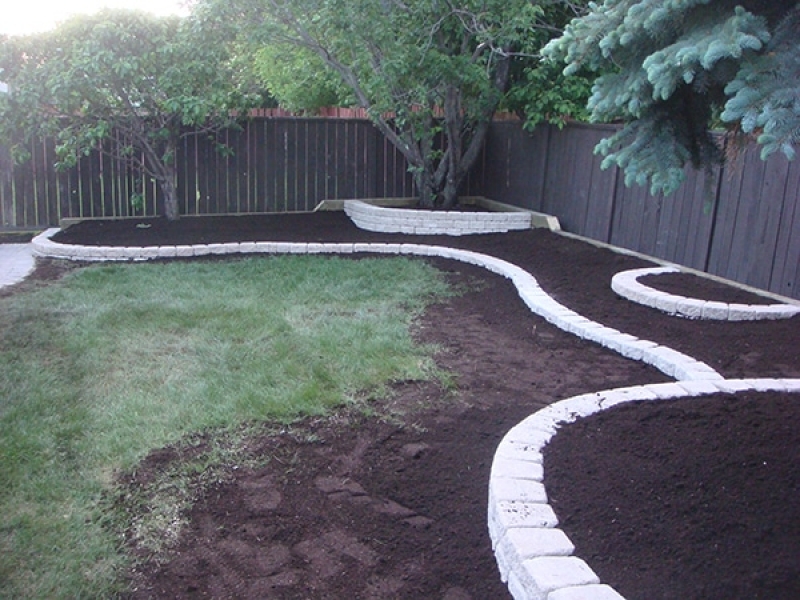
(685, 499)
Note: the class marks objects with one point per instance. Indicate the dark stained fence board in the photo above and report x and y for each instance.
(345, 172)
(726, 217)
(747, 237)
(786, 266)
(186, 175)
(697, 199)
(599, 204)
(315, 162)
(758, 235)
(519, 177)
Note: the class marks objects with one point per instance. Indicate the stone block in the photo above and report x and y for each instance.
(546, 574)
(517, 469)
(691, 308)
(532, 542)
(509, 514)
(522, 490)
(586, 592)
(715, 311)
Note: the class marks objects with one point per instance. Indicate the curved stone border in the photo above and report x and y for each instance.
(426, 222)
(665, 359)
(535, 558)
(626, 284)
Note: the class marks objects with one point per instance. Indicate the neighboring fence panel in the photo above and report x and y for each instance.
(275, 165)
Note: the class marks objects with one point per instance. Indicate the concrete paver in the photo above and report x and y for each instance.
(16, 262)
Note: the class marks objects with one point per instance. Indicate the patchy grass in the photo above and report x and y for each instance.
(114, 361)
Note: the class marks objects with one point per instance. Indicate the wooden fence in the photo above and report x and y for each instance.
(277, 165)
(740, 222)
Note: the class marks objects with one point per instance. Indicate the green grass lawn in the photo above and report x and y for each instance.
(114, 361)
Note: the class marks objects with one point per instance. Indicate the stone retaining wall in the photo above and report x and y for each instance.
(430, 222)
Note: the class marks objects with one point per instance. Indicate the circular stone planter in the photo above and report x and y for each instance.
(430, 222)
(626, 284)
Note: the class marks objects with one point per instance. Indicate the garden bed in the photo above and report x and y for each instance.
(396, 507)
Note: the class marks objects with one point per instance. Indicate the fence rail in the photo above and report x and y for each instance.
(741, 222)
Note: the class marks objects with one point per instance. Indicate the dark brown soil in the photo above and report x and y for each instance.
(716, 476)
(361, 506)
(681, 284)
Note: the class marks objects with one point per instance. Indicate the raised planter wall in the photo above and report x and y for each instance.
(372, 217)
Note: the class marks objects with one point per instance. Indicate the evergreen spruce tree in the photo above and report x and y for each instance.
(672, 69)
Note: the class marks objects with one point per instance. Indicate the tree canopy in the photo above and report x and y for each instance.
(149, 80)
(423, 70)
(672, 70)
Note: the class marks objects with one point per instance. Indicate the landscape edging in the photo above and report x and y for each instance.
(627, 285)
(535, 566)
(522, 525)
(430, 222)
(670, 362)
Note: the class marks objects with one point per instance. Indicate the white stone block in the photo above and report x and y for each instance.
(667, 303)
(731, 386)
(516, 589)
(521, 451)
(265, 248)
(524, 452)
(517, 469)
(527, 435)
(716, 311)
(541, 420)
(624, 395)
(768, 385)
(691, 308)
(546, 574)
(147, 253)
(217, 249)
(698, 388)
(118, 253)
(792, 385)
(510, 514)
(742, 312)
(665, 391)
(635, 350)
(616, 341)
(522, 490)
(778, 311)
(411, 249)
(586, 592)
(665, 359)
(582, 406)
(597, 333)
(532, 542)
(695, 371)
